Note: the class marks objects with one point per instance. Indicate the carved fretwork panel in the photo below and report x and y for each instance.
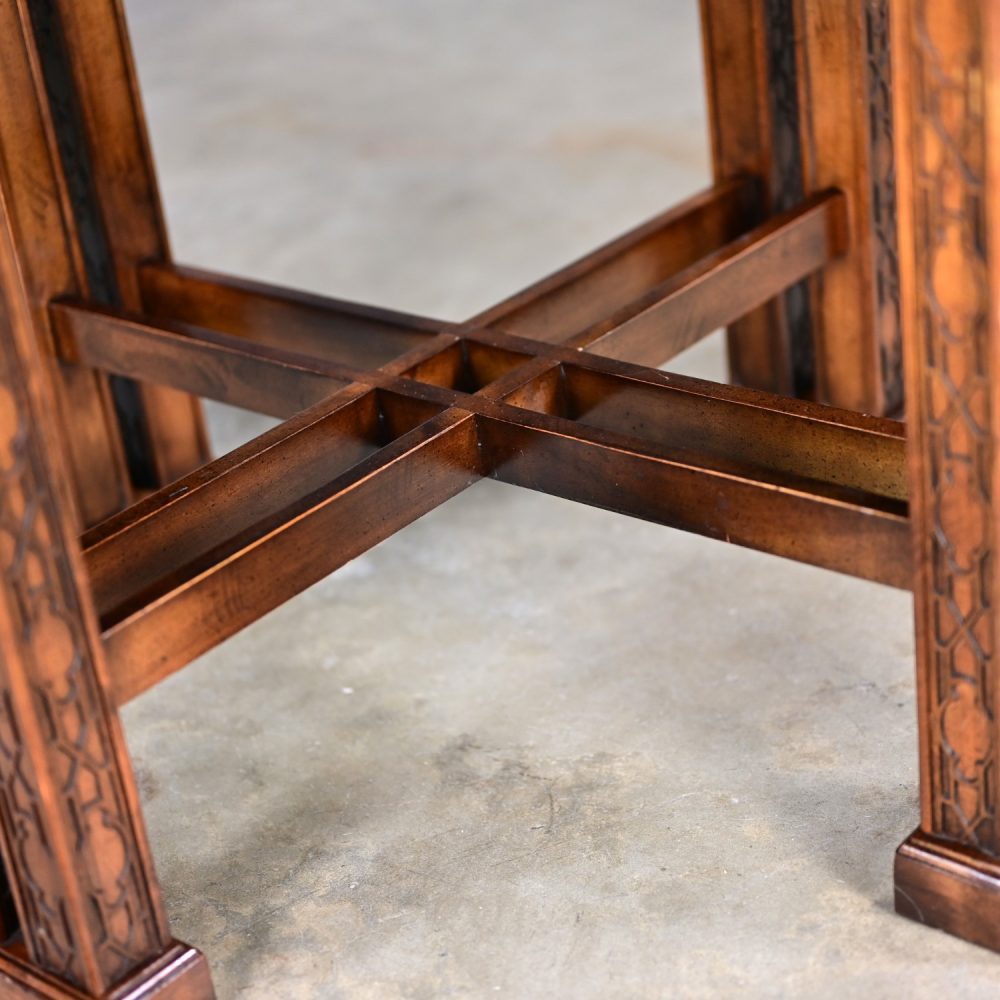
(885, 250)
(951, 360)
(787, 182)
(72, 841)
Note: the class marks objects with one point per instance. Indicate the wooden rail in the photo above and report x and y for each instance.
(295, 524)
(191, 565)
(586, 291)
(394, 414)
(722, 286)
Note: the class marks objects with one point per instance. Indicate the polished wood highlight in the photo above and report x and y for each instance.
(71, 835)
(586, 291)
(830, 123)
(833, 475)
(364, 336)
(947, 80)
(100, 139)
(856, 330)
(800, 95)
(163, 429)
(754, 136)
(50, 257)
(723, 286)
(181, 973)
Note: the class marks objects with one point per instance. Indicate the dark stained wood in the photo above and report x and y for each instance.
(168, 531)
(947, 75)
(655, 326)
(241, 577)
(50, 256)
(198, 361)
(865, 535)
(722, 286)
(855, 314)
(165, 433)
(364, 336)
(609, 278)
(800, 96)
(71, 835)
(736, 424)
(949, 886)
(800, 464)
(390, 415)
(182, 602)
(731, 424)
(179, 974)
(741, 56)
(839, 473)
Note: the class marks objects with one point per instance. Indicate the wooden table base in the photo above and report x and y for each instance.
(853, 216)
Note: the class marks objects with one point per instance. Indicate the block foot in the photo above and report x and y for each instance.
(950, 887)
(179, 974)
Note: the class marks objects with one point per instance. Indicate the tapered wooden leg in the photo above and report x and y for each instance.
(947, 64)
(91, 918)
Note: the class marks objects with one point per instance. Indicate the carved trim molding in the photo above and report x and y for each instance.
(951, 276)
(883, 172)
(788, 183)
(70, 135)
(68, 833)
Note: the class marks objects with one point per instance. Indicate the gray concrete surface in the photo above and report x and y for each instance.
(523, 748)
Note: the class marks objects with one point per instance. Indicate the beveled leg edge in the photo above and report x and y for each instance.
(949, 887)
(181, 973)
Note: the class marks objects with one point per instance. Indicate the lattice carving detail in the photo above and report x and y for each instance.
(949, 155)
(883, 171)
(52, 671)
(787, 180)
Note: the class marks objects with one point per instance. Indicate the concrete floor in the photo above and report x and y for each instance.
(523, 748)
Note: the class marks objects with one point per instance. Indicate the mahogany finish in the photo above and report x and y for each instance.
(800, 97)
(107, 343)
(947, 59)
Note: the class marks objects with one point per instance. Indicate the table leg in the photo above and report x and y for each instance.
(947, 68)
(71, 834)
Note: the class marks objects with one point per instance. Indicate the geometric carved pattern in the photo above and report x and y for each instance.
(883, 176)
(952, 329)
(56, 753)
(788, 183)
(93, 240)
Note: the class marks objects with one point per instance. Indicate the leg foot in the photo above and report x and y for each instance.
(951, 887)
(181, 973)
